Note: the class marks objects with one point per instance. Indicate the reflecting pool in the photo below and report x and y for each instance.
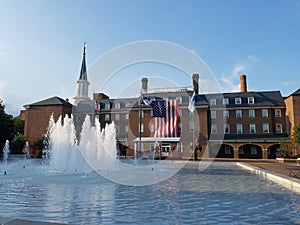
(222, 193)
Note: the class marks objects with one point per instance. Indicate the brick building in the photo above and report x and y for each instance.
(37, 117)
(228, 125)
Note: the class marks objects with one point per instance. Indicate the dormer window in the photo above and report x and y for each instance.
(238, 101)
(107, 106)
(225, 101)
(250, 100)
(213, 101)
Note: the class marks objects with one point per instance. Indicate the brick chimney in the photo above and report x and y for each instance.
(243, 83)
(196, 83)
(144, 85)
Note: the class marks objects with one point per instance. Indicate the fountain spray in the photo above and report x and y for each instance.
(5, 155)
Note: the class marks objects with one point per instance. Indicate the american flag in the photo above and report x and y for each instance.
(97, 107)
(165, 121)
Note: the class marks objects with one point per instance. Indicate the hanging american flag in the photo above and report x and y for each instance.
(97, 107)
(165, 121)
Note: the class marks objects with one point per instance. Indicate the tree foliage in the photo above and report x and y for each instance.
(7, 127)
(296, 134)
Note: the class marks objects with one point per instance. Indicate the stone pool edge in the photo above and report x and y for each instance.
(283, 180)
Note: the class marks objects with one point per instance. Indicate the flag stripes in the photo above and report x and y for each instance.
(167, 126)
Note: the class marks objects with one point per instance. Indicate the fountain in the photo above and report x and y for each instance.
(57, 189)
(96, 149)
(5, 155)
(26, 153)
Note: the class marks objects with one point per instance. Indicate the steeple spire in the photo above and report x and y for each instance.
(83, 74)
(82, 85)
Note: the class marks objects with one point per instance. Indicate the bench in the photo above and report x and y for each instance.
(294, 172)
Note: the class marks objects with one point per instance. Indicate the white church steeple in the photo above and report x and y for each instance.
(82, 85)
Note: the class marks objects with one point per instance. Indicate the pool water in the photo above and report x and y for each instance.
(223, 193)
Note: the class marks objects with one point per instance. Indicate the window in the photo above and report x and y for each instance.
(126, 116)
(179, 99)
(117, 117)
(213, 114)
(277, 112)
(213, 101)
(141, 128)
(180, 112)
(214, 128)
(191, 114)
(141, 114)
(126, 129)
(241, 150)
(238, 101)
(117, 129)
(239, 128)
(252, 129)
(264, 113)
(107, 106)
(191, 127)
(106, 117)
(238, 114)
(226, 129)
(152, 148)
(278, 128)
(179, 127)
(117, 105)
(253, 150)
(251, 113)
(225, 114)
(127, 104)
(225, 101)
(250, 100)
(265, 128)
(227, 150)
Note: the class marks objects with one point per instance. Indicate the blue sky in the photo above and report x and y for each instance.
(41, 42)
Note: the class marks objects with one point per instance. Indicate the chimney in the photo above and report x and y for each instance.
(196, 83)
(144, 85)
(243, 83)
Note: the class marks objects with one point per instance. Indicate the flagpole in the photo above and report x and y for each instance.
(140, 122)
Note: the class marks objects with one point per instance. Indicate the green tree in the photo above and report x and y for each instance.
(7, 127)
(296, 134)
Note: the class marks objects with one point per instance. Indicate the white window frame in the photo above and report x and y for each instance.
(278, 127)
(265, 113)
(127, 116)
(225, 114)
(239, 128)
(251, 115)
(238, 113)
(117, 129)
(213, 101)
(117, 117)
(126, 129)
(213, 114)
(238, 101)
(225, 101)
(117, 105)
(179, 99)
(277, 112)
(107, 117)
(266, 129)
(250, 100)
(179, 112)
(214, 129)
(227, 150)
(107, 106)
(252, 129)
(226, 129)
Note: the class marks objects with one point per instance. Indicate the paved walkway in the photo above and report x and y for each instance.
(275, 166)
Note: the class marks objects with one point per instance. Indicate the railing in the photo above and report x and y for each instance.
(171, 89)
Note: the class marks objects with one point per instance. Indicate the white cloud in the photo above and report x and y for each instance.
(238, 69)
(2, 86)
(231, 82)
